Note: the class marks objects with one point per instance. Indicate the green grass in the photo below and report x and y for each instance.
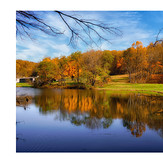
(125, 79)
(120, 78)
(23, 85)
(119, 84)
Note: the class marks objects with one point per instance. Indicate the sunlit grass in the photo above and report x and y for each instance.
(119, 84)
(23, 85)
(120, 78)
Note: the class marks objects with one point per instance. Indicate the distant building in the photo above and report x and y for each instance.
(25, 79)
(17, 80)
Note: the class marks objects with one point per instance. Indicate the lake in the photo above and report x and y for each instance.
(71, 120)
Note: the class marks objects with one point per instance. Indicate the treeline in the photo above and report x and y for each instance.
(94, 67)
(143, 62)
(25, 68)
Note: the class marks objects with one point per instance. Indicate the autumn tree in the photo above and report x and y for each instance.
(61, 64)
(155, 57)
(96, 64)
(25, 68)
(75, 64)
(129, 61)
(135, 59)
(46, 71)
(91, 66)
(143, 64)
(117, 66)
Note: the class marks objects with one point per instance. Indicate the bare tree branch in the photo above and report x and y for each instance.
(88, 31)
(157, 37)
(90, 25)
(28, 21)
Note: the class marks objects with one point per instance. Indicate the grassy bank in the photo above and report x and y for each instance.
(23, 85)
(120, 84)
(155, 89)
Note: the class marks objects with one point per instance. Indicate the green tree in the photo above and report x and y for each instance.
(46, 71)
(106, 63)
(91, 66)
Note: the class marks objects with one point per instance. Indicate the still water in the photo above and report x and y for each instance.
(60, 120)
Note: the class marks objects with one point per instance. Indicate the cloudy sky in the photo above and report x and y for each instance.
(135, 25)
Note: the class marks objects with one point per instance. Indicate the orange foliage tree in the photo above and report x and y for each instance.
(93, 67)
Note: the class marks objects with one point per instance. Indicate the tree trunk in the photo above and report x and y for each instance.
(78, 74)
(129, 77)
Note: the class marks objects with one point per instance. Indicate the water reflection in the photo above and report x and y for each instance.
(98, 109)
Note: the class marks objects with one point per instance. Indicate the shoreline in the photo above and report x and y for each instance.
(122, 88)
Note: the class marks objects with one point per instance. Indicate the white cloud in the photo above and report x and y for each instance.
(58, 47)
(55, 21)
(132, 28)
(129, 23)
(30, 50)
(37, 50)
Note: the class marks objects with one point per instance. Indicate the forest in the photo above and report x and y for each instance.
(94, 68)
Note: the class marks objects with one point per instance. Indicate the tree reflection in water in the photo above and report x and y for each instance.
(136, 128)
(97, 109)
(91, 122)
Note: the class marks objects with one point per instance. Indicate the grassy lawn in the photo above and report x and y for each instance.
(120, 78)
(23, 85)
(120, 84)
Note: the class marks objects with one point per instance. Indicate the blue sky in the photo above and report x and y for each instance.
(135, 25)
